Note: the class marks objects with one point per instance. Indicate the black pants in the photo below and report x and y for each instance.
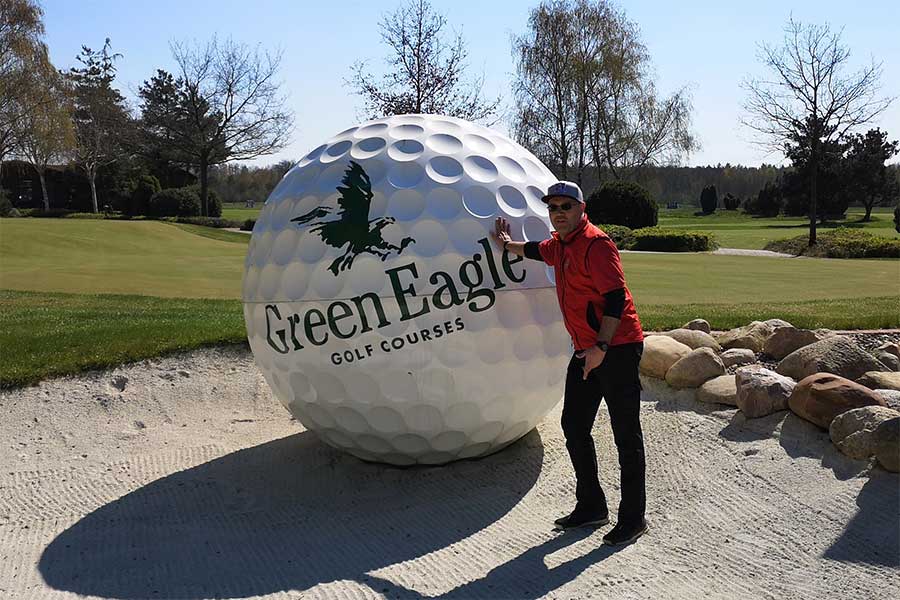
(616, 380)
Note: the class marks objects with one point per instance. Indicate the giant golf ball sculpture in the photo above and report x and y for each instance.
(377, 306)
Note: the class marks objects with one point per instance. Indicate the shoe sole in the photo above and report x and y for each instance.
(629, 540)
(596, 523)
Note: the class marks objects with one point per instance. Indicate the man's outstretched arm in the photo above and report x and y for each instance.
(504, 241)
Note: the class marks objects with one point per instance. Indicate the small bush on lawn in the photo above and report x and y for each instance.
(144, 188)
(620, 234)
(248, 225)
(53, 213)
(214, 203)
(842, 242)
(622, 203)
(658, 239)
(174, 202)
(6, 207)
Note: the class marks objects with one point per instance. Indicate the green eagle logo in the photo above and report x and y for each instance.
(352, 230)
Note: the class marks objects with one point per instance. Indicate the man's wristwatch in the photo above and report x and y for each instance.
(603, 346)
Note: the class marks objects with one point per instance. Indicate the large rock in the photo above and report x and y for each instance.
(752, 336)
(890, 348)
(785, 340)
(660, 353)
(880, 380)
(888, 360)
(695, 369)
(852, 431)
(693, 338)
(761, 392)
(738, 356)
(719, 390)
(891, 398)
(698, 325)
(821, 397)
(838, 355)
(887, 444)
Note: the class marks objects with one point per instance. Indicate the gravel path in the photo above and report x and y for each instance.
(183, 478)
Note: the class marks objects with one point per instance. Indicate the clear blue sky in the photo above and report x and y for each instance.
(710, 46)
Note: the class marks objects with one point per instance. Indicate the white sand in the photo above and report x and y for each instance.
(193, 482)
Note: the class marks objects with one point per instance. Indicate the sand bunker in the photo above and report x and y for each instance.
(183, 478)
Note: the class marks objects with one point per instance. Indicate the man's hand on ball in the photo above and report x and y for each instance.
(501, 232)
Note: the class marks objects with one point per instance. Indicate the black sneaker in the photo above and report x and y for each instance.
(582, 518)
(625, 533)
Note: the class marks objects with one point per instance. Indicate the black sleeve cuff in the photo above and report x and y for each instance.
(532, 251)
(615, 303)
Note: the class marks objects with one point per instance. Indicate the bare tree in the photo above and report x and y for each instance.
(226, 104)
(22, 54)
(545, 85)
(45, 133)
(585, 96)
(808, 99)
(425, 73)
(100, 113)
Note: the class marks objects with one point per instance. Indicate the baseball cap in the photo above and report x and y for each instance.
(564, 188)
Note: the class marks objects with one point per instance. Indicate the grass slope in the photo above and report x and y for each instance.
(119, 257)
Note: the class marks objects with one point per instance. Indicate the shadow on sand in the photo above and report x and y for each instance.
(284, 515)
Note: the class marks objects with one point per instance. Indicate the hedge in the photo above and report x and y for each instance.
(843, 242)
(658, 239)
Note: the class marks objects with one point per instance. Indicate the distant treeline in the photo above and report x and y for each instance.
(241, 184)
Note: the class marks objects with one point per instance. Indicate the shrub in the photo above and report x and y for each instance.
(731, 201)
(842, 242)
(146, 186)
(659, 239)
(53, 213)
(248, 225)
(6, 206)
(622, 203)
(214, 203)
(216, 222)
(620, 234)
(767, 202)
(709, 199)
(174, 202)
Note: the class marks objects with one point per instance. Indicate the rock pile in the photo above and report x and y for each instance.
(828, 379)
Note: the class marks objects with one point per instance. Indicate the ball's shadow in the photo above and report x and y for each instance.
(285, 515)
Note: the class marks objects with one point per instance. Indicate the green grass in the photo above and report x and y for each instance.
(43, 334)
(734, 229)
(214, 233)
(840, 313)
(84, 294)
(239, 213)
(119, 257)
(717, 279)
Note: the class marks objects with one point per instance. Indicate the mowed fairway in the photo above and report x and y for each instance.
(159, 259)
(148, 258)
(734, 229)
(90, 293)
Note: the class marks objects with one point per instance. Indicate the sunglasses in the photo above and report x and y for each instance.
(559, 207)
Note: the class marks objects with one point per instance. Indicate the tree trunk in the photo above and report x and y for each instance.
(814, 165)
(204, 186)
(44, 190)
(93, 182)
(868, 216)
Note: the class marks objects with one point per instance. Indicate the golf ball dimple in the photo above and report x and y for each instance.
(379, 310)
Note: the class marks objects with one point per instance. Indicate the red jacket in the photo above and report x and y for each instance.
(586, 266)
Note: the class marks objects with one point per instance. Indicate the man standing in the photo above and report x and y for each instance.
(599, 314)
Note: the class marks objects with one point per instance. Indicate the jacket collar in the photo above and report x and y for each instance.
(575, 233)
